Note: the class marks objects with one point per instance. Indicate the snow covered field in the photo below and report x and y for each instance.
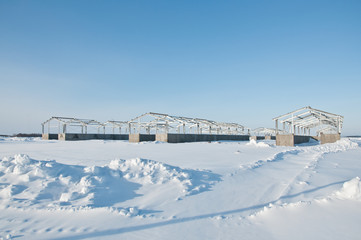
(219, 190)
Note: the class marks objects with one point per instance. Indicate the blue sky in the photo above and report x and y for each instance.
(231, 61)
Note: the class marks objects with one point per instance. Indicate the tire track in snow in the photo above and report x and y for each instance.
(275, 158)
(315, 154)
(290, 171)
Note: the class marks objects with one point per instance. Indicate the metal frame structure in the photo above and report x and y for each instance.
(119, 125)
(307, 118)
(65, 122)
(148, 123)
(261, 131)
(153, 123)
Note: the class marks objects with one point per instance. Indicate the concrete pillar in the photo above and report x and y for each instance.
(329, 138)
(253, 138)
(267, 137)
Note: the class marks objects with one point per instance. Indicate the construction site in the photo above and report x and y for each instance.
(297, 127)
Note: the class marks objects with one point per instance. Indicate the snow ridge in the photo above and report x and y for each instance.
(277, 157)
(317, 151)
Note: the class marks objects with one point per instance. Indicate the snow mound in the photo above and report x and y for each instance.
(147, 171)
(339, 146)
(25, 182)
(350, 190)
(253, 142)
(144, 171)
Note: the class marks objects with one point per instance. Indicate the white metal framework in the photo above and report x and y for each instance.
(261, 131)
(63, 124)
(164, 123)
(150, 123)
(120, 125)
(301, 121)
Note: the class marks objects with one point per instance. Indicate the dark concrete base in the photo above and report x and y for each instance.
(317, 138)
(89, 136)
(49, 136)
(291, 139)
(181, 138)
(136, 137)
(329, 138)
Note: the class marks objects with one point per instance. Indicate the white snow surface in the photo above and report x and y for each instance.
(220, 190)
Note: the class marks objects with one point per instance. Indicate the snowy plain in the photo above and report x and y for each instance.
(151, 190)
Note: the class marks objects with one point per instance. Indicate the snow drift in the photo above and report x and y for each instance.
(29, 182)
(351, 190)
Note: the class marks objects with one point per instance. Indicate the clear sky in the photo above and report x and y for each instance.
(232, 61)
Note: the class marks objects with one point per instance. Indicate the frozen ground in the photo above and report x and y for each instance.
(218, 190)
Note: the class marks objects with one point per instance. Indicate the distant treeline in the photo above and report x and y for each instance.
(23, 135)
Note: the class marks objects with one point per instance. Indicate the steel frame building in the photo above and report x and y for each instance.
(163, 123)
(63, 123)
(148, 123)
(301, 122)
